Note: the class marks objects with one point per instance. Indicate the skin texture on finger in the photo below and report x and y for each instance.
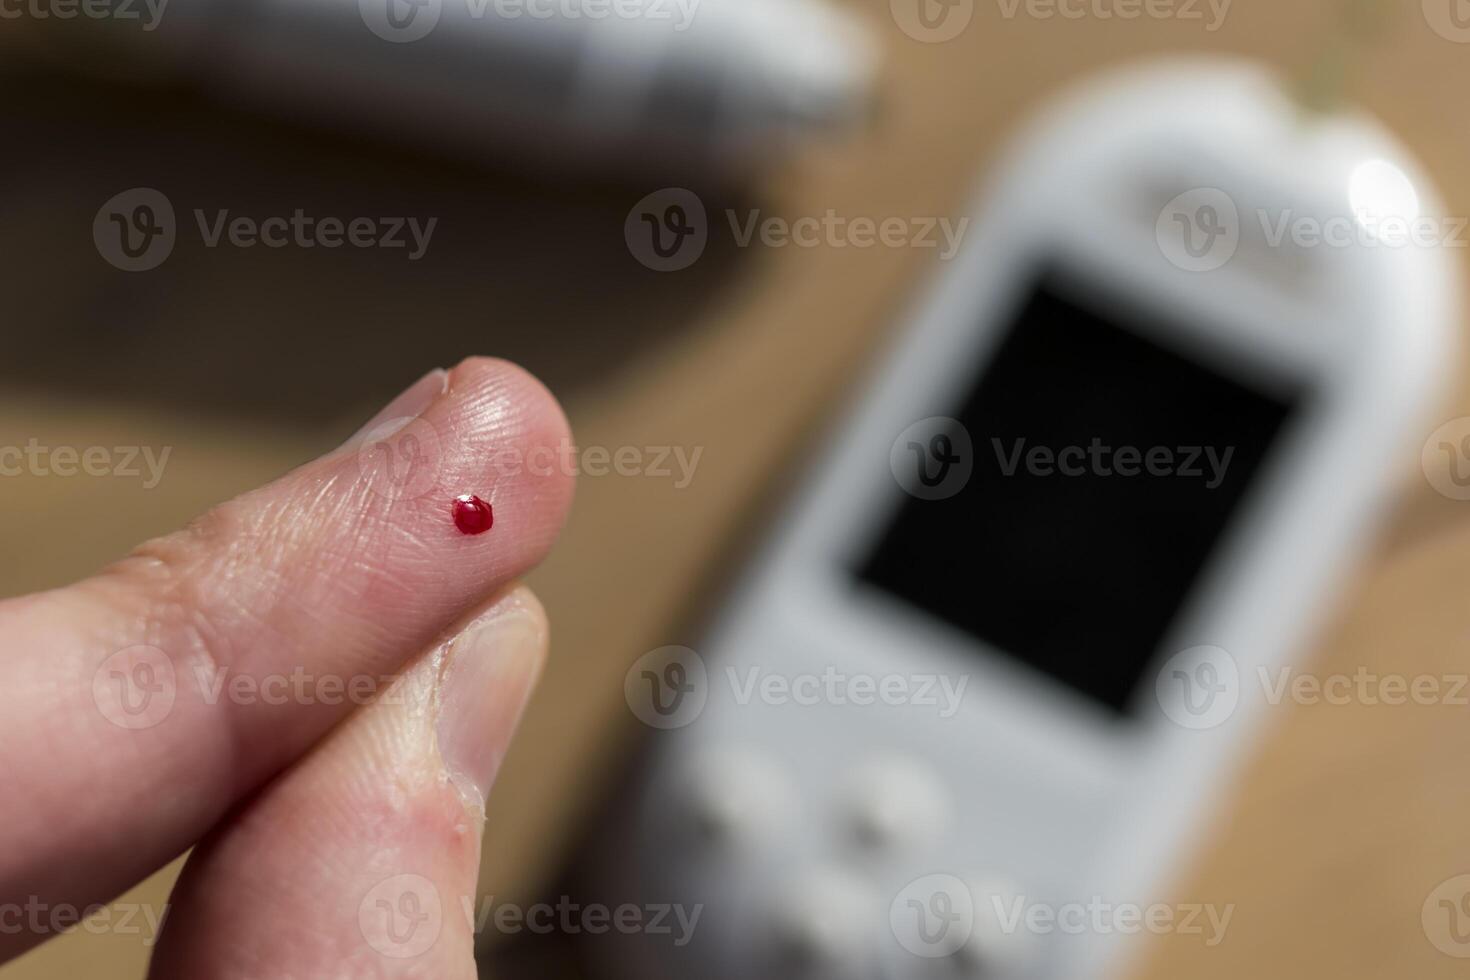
(141, 704)
(361, 859)
(409, 403)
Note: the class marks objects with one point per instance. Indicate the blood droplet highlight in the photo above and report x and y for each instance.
(471, 514)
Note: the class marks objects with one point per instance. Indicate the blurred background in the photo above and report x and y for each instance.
(247, 361)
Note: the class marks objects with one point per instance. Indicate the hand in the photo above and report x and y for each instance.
(220, 688)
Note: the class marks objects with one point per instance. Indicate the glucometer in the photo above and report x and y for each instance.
(988, 673)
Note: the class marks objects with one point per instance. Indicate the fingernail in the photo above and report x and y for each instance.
(492, 668)
(409, 404)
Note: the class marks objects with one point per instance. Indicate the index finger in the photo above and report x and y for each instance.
(142, 703)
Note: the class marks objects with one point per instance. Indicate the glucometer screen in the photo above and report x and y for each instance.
(1066, 519)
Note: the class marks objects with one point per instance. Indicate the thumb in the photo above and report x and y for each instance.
(361, 860)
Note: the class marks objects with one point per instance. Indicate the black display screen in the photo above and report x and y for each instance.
(1104, 470)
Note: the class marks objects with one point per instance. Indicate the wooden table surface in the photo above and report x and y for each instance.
(1339, 828)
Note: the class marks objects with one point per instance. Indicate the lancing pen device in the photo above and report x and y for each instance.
(718, 85)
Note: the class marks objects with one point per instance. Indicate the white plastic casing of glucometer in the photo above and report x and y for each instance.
(808, 834)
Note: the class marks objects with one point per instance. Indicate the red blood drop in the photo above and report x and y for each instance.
(472, 515)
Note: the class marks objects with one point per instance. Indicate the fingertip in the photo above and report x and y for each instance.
(500, 380)
(327, 580)
(492, 670)
(516, 429)
(392, 803)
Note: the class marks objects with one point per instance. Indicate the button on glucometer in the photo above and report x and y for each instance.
(893, 801)
(999, 943)
(822, 922)
(736, 794)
